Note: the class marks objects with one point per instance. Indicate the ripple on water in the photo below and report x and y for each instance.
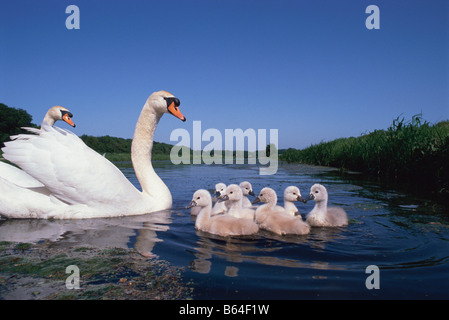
(406, 237)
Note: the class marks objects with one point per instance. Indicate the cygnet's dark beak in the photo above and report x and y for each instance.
(251, 193)
(191, 204)
(300, 198)
(256, 200)
(223, 198)
(309, 197)
(217, 193)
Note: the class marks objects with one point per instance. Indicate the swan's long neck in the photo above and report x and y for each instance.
(48, 120)
(141, 148)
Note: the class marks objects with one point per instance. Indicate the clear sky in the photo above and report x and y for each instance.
(310, 69)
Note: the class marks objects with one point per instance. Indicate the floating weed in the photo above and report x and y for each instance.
(113, 273)
(23, 246)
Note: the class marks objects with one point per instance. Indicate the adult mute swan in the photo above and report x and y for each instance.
(223, 225)
(79, 182)
(20, 177)
(292, 194)
(274, 218)
(321, 215)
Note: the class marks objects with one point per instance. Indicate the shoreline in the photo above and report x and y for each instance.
(38, 272)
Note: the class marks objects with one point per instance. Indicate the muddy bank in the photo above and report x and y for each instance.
(37, 272)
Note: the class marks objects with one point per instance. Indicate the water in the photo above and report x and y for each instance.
(406, 237)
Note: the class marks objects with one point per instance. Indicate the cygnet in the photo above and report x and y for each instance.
(292, 194)
(220, 207)
(224, 225)
(321, 215)
(247, 189)
(274, 218)
(234, 195)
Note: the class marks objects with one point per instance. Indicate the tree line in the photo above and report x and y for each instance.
(12, 119)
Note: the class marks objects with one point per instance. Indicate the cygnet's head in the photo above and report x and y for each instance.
(165, 102)
(233, 193)
(247, 188)
(220, 189)
(58, 113)
(318, 193)
(266, 195)
(293, 194)
(201, 198)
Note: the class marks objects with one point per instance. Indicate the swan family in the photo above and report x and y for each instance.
(247, 219)
(56, 175)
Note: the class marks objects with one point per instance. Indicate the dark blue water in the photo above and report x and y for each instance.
(406, 237)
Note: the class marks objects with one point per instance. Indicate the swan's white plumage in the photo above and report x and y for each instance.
(247, 189)
(69, 169)
(81, 182)
(274, 218)
(17, 176)
(291, 195)
(234, 195)
(322, 215)
(220, 207)
(224, 225)
(20, 177)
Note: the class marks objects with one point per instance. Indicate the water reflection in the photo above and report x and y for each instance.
(265, 249)
(138, 232)
(405, 236)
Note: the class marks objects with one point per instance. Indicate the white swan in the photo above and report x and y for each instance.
(220, 207)
(80, 182)
(224, 224)
(20, 177)
(321, 215)
(235, 197)
(292, 194)
(274, 218)
(247, 190)
(57, 113)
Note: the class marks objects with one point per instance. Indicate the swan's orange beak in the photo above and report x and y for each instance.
(174, 110)
(66, 118)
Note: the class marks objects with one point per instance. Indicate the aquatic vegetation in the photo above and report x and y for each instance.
(113, 273)
(408, 151)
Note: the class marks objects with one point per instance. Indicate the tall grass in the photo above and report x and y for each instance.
(408, 151)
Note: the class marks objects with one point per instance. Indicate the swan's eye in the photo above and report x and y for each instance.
(316, 191)
(198, 198)
(171, 100)
(230, 192)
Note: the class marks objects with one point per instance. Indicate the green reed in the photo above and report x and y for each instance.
(408, 151)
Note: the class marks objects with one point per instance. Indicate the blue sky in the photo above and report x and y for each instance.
(310, 69)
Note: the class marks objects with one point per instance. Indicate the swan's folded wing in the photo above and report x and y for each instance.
(17, 176)
(71, 171)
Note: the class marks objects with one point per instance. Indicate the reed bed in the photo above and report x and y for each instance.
(413, 151)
